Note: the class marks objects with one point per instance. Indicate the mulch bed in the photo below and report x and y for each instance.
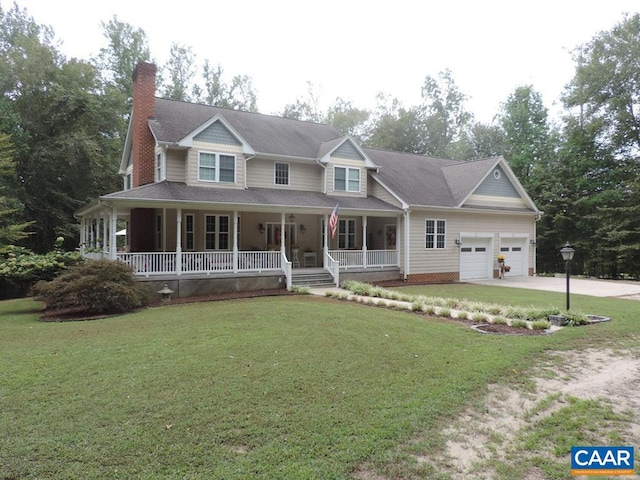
(75, 315)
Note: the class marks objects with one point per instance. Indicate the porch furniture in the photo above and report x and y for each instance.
(310, 259)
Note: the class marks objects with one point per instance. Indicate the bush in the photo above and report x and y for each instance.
(94, 287)
(22, 267)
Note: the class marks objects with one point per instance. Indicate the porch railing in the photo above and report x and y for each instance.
(158, 263)
(365, 258)
(152, 263)
(333, 266)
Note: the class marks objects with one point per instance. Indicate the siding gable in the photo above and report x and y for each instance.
(217, 133)
(347, 150)
(497, 187)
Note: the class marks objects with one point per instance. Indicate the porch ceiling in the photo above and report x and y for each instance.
(175, 194)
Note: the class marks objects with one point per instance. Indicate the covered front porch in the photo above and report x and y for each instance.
(174, 242)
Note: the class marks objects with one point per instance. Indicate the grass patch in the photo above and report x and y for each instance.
(278, 387)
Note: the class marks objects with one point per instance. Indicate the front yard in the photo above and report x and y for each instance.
(282, 387)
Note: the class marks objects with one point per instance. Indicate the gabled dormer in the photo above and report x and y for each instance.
(346, 167)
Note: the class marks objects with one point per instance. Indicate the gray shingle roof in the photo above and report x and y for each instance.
(265, 133)
(251, 197)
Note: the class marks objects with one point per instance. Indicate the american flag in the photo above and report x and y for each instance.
(333, 221)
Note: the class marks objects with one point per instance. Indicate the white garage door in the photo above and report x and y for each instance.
(474, 258)
(515, 255)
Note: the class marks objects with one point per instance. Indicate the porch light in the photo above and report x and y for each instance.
(261, 228)
(166, 293)
(292, 218)
(458, 241)
(303, 229)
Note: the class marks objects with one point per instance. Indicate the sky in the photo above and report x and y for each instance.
(356, 49)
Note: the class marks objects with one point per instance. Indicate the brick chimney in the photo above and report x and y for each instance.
(144, 106)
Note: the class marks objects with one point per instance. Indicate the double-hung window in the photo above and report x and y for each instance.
(281, 173)
(216, 232)
(216, 167)
(346, 179)
(159, 167)
(435, 234)
(189, 232)
(346, 233)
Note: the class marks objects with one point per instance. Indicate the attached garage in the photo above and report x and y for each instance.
(515, 255)
(475, 258)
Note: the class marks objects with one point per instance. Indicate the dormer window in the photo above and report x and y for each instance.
(216, 167)
(346, 179)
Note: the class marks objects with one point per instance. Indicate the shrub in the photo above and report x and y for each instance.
(499, 321)
(94, 287)
(541, 325)
(479, 317)
(22, 267)
(416, 306)
(462, 315)
(444, 312)
(300, 289)
(519, 323)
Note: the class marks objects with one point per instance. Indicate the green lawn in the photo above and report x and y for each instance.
(278, 387)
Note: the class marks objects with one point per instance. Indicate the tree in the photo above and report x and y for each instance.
(607, 84)
(443, 115)
(180, 69)
(127, 46)
(528, 137)
(68, 145)
(239, 95)
(395, 127)
(348, 119)
(305, 108)
(12, 228)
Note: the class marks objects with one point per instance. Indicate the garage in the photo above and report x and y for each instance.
(475, 258)
(515, 255)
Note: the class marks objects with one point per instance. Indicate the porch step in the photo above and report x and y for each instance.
(314, 278)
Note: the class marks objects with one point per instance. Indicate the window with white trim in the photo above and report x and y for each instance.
(189, 232)
(159, 167)
(216, 232)
(281, 174)
(216, 167)
(128, 181)
(346, 233)
(435, 233)
(346, 179)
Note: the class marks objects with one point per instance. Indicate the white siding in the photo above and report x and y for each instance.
(378, 191)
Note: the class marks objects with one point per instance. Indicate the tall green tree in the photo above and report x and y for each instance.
(12, 228)
(394, 127)
(178, 73)
(68, 137)
(348, 119)
(238, 95)
(528, 135)
(444, 116)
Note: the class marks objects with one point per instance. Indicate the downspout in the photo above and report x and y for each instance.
(324, 177)
(246, 159)
(407, 231)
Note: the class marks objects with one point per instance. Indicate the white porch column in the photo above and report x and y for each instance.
(113, 240)
(235, 241)
(102, 234)
(83, 234)
(326, 240)
(406, 248)
(364, 241)
(178, 241)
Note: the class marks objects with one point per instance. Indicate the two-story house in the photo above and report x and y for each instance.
(218, 200)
